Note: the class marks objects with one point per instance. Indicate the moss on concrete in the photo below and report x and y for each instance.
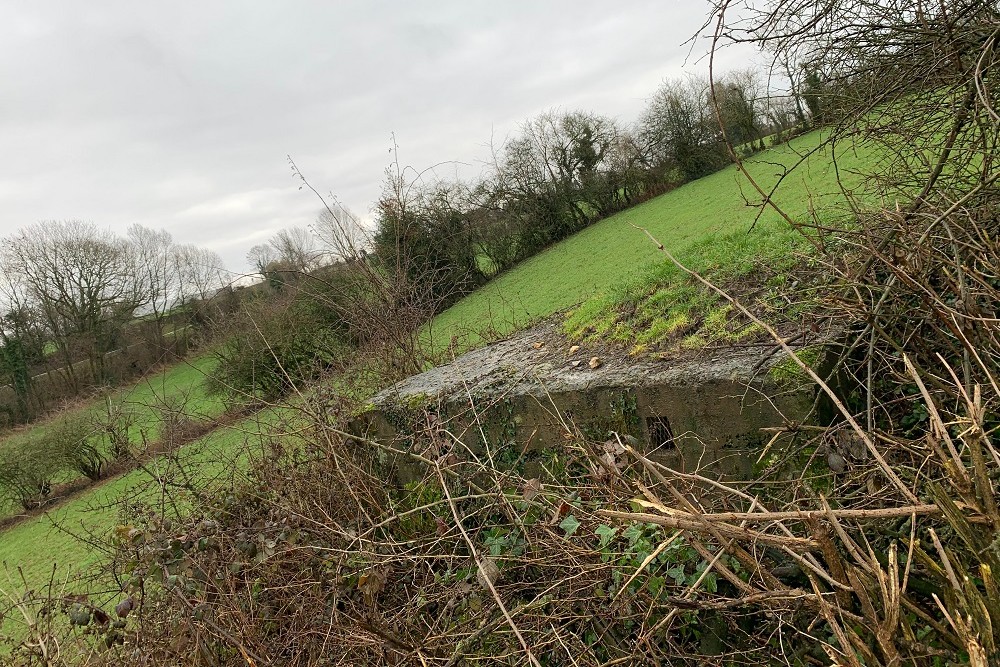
(787, 371)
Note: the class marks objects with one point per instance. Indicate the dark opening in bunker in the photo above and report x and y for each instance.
(659, 433)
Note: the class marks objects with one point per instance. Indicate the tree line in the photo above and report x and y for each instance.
(560, 172)
(338, 287)
(76, 292)
(564, 170)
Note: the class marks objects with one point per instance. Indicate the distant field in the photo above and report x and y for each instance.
(180, 383)
(58, 544)
(706, 224)
(36, 545)
(50, 545)
(180, 388)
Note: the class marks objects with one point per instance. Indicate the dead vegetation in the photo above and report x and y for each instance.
(868, 541)
(591, 553)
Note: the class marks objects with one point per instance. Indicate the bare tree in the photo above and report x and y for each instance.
(155, 271)
(564, 153)
(200, 272)
(261, 256)
(289, 252)
(742, 101)
(341, 234)
(786, 64)
(83, 281)
(296, 249)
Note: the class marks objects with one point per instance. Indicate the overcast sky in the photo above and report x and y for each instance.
(180, 115)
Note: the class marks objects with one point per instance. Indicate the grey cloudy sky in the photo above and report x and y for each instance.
(180, 114)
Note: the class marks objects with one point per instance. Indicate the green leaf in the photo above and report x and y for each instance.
(570, 524)
(606, 534)
(677, 572)
(633, 533)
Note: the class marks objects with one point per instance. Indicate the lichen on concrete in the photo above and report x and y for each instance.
(706, 409)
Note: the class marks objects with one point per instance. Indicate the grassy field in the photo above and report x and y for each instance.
(179, 386)
(591, 276)
(179, 391)
(57, 545)
(706, 224)
(50, 545)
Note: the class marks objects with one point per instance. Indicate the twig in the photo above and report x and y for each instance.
(486, 578)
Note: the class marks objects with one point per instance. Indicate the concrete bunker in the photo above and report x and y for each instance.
(706, 412)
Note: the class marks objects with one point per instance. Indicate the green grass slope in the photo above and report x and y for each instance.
(37, 545)
(707, 224)
(57, 544)
(181, 386)
(179, 390)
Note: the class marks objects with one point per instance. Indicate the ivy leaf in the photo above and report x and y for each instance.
(605, 533)
(677, 572)
(633, 533)
(569, 524)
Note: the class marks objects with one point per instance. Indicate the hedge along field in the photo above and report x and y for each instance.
(176, 396)
(50, 546)
(611, 258)
(183, 382)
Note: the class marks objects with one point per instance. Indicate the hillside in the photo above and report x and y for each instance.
(526, 412)
(162, 408)
(707, 224)
(582, 526)
(175, 394)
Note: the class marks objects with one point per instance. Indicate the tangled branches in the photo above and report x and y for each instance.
(589, 553)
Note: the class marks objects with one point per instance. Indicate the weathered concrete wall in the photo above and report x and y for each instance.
(697, 413)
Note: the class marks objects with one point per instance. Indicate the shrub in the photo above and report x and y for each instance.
(27, 472)
(281, 340)
(180, 429)
(76, 443)
(114, 425)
